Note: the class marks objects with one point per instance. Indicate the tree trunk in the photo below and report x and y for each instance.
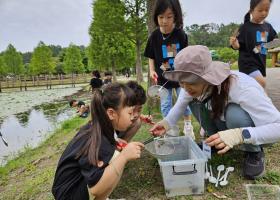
(20, 83)
(37, 80)
(7, 82)
(150, 10)
(139, 72)
(25, 83)
(114, 71)
(151, 26)
(50, 81)
(46, 81)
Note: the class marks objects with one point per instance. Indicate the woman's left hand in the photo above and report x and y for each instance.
(225, 140)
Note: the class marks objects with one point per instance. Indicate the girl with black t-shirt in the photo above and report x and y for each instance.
(250, 40)
(163, 45)
(91, 164)
(96, 82)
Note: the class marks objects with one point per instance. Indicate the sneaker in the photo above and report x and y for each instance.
(274, 43)
(253, 165)
(188, 130)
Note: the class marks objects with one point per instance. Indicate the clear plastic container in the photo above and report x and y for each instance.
(183, 171)
(263, 192)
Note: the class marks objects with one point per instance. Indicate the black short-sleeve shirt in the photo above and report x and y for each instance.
(163, 49)
(96, 83)
(252, 54)
(74, 175)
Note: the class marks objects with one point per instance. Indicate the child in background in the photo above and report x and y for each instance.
(82, 108)
(162, 47)
(108, 78)
(253, 34)
(90, 163)
(95, 82)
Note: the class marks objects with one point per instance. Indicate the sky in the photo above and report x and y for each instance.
(59, 22)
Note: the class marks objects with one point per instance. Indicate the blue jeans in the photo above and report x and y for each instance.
(235, 117)
(166, 104)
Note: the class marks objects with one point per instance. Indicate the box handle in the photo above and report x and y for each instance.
(185, 172)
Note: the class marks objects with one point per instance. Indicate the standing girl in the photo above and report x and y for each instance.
(162, 47)
(90, 164)
(253, 34)
(96, 82)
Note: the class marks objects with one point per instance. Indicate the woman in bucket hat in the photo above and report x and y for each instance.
(230, 106)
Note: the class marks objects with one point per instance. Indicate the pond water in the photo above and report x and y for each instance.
(31, 127)
(28, 129)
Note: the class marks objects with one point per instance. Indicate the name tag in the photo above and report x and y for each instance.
(206, 150)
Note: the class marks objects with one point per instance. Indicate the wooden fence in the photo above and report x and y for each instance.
(24, 82)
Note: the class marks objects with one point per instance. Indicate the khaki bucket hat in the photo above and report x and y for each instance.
(195, 62)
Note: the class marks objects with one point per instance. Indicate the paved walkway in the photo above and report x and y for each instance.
(273, 85)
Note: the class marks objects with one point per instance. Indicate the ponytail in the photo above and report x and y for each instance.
(247, 17)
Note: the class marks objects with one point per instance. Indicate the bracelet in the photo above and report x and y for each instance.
(115, 169)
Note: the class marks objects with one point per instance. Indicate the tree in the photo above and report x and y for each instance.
(136, 30)
(3, 66)
(109, 47)
(41, 61)
(3, 72)
(211, 35)
(73, 60)
(55, 50)
(13, 60)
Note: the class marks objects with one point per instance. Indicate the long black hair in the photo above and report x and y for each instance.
(162, 5)
(219, 99)
(115, 96)
(253, 4)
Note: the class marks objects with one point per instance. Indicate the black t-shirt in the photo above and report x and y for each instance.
(252, 54)
(96, 83)
(163, 49)
(74, 175)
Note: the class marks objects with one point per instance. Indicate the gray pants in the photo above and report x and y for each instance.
(235, 117)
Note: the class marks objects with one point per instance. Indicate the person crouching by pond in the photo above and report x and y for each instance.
(82, 109)
(96, 81)
(230, 106)
(90, 165)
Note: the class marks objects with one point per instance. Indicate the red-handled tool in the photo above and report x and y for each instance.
(121, 145)
(147, 120)
(155, 77)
